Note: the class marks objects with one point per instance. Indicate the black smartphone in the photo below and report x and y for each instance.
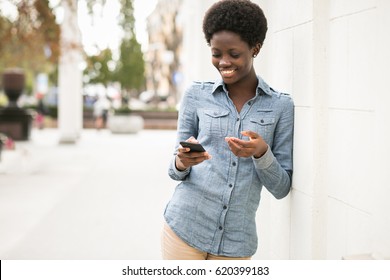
(194, 147)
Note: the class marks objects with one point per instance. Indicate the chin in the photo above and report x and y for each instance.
(229, 80)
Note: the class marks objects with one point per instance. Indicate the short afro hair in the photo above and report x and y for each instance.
(239, 16)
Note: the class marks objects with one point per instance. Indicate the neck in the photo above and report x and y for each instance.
(244, 87)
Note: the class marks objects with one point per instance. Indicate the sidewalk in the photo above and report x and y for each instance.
(102, 198)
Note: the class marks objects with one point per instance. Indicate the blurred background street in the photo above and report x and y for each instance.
(102, 198)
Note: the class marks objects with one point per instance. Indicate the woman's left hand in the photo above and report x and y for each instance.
(256, 146)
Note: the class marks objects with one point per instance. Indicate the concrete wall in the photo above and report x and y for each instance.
(333, 57)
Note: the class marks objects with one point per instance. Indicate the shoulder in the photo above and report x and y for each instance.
(283, 96)
(202, 84)
(284, 103)
(275, 94)
(279, 101)
(199, 88)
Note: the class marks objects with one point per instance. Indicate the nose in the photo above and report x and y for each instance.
(224, 61)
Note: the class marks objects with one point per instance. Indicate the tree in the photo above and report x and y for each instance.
(98, 68)
(31, 40)
(131, 66)
(130, 70)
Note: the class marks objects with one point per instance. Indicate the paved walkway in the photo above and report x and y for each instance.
(102, 198)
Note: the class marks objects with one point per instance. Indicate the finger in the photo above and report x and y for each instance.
(233, 142)
(235, 147)
(239, 150)
(190, 159)
(238, 143)
(183, 150)
(192, 139)
(250, 134)
(193, 155)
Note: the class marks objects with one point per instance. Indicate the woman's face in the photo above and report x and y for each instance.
(232, 56)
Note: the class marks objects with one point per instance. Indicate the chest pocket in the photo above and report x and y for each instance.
(216, 122)
(264, 126)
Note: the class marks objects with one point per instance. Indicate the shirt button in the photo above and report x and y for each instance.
(262, 121)
(234, 164)
(224, 207)
(238, 119)
(249, 103)
(220, 228)
(230, 185)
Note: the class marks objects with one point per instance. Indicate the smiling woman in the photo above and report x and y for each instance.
(245, 127)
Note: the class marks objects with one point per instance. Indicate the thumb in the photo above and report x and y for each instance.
(192, 139)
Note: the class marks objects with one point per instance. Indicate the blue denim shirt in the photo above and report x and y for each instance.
(214, 206)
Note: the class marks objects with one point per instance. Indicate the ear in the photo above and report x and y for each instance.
(256, 49)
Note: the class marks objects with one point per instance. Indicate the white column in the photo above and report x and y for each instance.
(70, 76)
(381, 140)
(320, 120)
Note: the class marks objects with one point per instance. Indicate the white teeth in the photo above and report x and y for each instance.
(226, 72)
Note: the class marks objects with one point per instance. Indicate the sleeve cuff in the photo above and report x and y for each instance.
(265, 161)
(178, 173)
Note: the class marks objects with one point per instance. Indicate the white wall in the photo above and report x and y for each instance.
(333, 57)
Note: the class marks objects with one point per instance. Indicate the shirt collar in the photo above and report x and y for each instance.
(262, 86)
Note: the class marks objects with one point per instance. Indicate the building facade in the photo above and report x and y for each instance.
(163, 54)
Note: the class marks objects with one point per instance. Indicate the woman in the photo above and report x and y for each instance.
(246, 128)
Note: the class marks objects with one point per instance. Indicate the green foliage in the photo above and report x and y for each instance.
(130, 72)
(126, 19)
(98, 68)
(31, 40)
(131, 66)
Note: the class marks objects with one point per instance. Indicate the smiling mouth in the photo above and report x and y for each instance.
(227, 72)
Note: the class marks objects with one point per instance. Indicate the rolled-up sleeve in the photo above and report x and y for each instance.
(275, 167)
(176, 174)
(187, 127)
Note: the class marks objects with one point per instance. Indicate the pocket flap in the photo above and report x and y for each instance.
(216, 113)
(263, 120)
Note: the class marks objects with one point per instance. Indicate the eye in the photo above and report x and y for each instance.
(235, 55)
(216, 55)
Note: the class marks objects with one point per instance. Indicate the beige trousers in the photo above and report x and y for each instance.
(174, 248)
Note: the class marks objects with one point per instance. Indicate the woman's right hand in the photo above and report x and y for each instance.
(185, 159)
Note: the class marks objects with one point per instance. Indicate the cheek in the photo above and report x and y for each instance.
(215, 62)
(247, 65)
